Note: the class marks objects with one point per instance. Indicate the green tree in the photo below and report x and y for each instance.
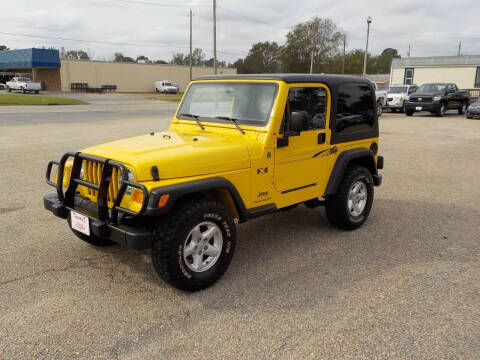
(178, 59)
(384, 61)
(76, 55)
(160, 62)
(143, 58)
(120, 58)
(319, 36)
(198, 57)
(3, 48)
(263, 57)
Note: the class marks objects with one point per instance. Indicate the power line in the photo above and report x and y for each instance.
(111, 42)
(162, 5)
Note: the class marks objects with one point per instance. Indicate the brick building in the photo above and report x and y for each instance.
(40, 65)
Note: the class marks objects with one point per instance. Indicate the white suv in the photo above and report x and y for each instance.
(397, 95)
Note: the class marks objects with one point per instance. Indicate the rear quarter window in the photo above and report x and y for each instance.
(355, 108)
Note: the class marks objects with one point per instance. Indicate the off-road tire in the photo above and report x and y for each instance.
(379, 109)
(468, 115)
(462, 109)
(336, 206)
(24, 91)
(9, 89)
(409, 113)
(169, 240)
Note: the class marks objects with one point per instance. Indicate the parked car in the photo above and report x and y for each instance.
(232, 152)
(24, 85)
(381, 95)
(397, 96)
(165, 87)
(437, 98)
(473, 111)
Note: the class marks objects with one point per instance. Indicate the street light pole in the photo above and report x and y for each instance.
(191, 60)
(369, 21)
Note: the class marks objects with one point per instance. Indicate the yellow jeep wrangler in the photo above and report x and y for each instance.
(239, 147)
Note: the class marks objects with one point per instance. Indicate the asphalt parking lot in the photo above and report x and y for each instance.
(404, 286)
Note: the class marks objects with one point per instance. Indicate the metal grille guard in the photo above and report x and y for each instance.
(103, 212)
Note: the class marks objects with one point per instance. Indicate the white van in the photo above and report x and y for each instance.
(165, 86)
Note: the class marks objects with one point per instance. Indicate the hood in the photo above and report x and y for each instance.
(396, 95)
(177, 155)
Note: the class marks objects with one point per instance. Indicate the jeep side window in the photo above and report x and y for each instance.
(355, 110)
(310, 101)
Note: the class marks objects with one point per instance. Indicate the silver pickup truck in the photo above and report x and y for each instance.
(24, 85)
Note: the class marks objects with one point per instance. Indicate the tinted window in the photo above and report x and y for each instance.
(355, 110)
(477, 78)
(311, 101)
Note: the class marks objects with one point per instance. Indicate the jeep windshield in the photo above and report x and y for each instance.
(398, 90)
(247, 103)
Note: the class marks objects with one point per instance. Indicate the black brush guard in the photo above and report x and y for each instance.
(105, 222)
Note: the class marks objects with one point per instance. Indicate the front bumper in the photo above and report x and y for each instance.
(131, 237)
(413, 107)
(106, 222)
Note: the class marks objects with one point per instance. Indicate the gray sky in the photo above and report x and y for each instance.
(432, 27)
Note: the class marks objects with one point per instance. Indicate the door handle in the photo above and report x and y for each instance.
(321, 138)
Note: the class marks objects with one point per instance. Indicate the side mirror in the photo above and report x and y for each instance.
(299, 121)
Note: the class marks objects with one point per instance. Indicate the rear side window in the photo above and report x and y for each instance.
(355, 108)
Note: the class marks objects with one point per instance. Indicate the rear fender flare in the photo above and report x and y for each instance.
(363, 157)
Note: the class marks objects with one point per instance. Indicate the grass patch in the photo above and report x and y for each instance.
(13, 99)
(165, 97)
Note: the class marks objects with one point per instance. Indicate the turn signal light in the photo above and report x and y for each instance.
(163, 200)
(137, 196)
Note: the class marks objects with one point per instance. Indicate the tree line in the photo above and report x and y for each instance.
(317, 43)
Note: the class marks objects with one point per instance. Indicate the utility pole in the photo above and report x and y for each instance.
(459, 48)
(311, 63)
(408, 54)
(191, 54)
(369, 21)
(215, 36)
(344, 45)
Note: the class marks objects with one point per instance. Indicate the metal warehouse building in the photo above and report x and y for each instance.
(57, 74)
(462, 70)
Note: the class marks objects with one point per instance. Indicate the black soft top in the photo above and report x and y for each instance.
(292, 78)
(334, 83)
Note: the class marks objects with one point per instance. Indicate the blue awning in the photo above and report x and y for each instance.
(29, 58)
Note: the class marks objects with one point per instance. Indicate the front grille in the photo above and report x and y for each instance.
(92, 172)
(421, 99)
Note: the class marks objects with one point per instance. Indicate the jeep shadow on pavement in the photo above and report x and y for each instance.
(238, 147)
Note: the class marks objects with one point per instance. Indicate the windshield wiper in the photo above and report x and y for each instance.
(194, 117)
(232, 120)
